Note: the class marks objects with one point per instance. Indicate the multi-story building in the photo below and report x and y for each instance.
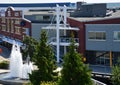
(99, 37)
(89, 10)
(13, 26)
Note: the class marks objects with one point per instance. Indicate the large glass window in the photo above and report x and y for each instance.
(97, 35)
(103, 58)
(117, 35)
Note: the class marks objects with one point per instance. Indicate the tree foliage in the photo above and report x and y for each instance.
(30, 44)
(116, 73)
(74, 71)
(44, 59)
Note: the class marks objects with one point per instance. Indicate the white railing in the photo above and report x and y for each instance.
(65, 40)
(95, 82)
(68, 40)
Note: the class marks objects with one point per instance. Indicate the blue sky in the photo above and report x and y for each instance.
(48, 1)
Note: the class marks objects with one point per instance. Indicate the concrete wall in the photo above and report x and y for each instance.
(36, 30)
(40, 18)
(109, 43)
(90, 10)
(37, 27)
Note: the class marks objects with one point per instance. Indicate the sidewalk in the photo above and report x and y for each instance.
(4, 71)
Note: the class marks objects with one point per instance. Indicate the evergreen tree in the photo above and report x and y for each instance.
(29, 43)
(45, 61)
(116, 73)
(74, 71)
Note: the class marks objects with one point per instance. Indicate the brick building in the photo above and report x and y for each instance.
(99, 38)
(13, 25)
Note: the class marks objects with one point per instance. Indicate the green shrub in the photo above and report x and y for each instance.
(29, 83)
(44, 83)
(4, 65)
(48, 83)
(116, 73)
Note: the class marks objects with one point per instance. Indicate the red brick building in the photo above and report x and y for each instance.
(98, 50)
(13, 25)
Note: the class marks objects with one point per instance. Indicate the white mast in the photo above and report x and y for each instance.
(57, 32)
(65, 17)
(65, 21)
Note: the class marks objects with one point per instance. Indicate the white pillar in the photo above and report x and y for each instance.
(65, 15)
(23, 13)
(57, 32)
(65, 21)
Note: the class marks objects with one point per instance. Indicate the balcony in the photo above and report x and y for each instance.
(63, 41)
(61, 27)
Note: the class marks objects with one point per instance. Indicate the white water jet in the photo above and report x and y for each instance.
(17, 68)
(16, 63)
(27, 69)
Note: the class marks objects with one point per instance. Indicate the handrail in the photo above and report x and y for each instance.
(98, 82)
(67, 40)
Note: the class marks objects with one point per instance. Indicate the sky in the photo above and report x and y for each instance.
(51, 1)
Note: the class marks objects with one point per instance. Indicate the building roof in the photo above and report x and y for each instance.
(68, 4)
(38, 13)
(112, 15)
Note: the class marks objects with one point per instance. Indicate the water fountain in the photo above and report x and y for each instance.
(18, 71)
(16, 63)
(27, 68)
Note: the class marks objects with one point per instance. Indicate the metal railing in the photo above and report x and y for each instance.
(95, 82)
(64, 40)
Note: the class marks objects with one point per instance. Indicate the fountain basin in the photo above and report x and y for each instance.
(11, 81)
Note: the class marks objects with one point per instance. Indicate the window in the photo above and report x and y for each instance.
(96, 35)
(17, 30)
(102, 58)
(3, 28)
(3, 19)
(8, 25)
(25, 31)
(17, 21)
(21, 13)
(38, 17)
(116, 35)
(12, 26)
(16, 13)
(91, 35)
(46, 18)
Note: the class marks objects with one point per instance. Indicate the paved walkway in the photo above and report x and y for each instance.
(4, 71)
